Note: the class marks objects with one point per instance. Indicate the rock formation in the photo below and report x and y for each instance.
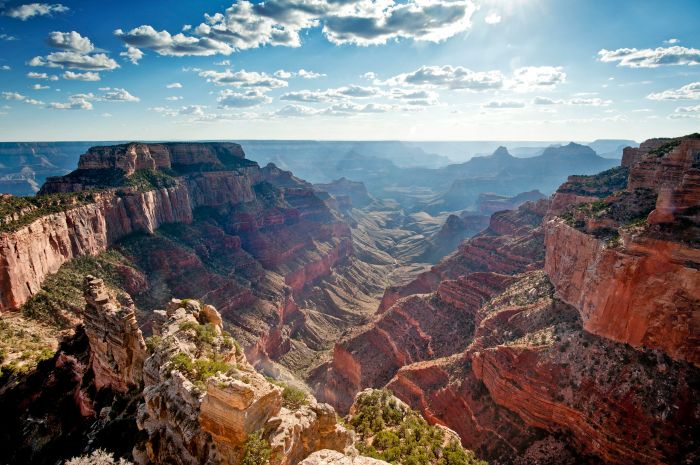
(117, 346)
(586, 346)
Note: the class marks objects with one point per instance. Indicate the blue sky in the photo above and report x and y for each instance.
(341, 69)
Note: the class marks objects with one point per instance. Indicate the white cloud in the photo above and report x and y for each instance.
(687, 92)
(545, 101)
(106, 115)
(132, 54)
(75, 102)
(5, 68)
(32, 101)
(686, 112)
(304, 74)
(243, 78)
(13, 96)
(296, 111)
(671, 41)
(174, 98)
(503, 104)
(531, 78)
(450, 77)
(415, 97)
(166, 44)
(76, 53)
(651, 57)
(86, 76)
(39, 87)
(350, 108)
(223, 63)
(120, 95)
(335, 94)
(595, 102)
(492, 18)
(24, 12)
(247, 25)
(33, 75)
(231, 99)
(7, 37)
(196, 110)
(174, 85)
(369, 75)
(71, 41)
(282, 74)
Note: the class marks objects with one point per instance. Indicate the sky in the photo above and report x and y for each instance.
(349, 70)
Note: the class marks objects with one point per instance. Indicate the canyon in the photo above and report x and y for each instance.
(227, 303)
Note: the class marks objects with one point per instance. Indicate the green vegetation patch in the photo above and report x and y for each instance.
(390, 432)
(23, 344)
(62, 292)
(16, 212)
(148, 180)
(199, 370)
(599, 185)
(256, 450)
(293, 398)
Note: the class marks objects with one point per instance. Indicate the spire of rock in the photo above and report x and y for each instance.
(117, 346)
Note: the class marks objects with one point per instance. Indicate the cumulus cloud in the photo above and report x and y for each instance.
(77, 52)
(39, 87)
(5, 68)
(687, 92)
(686, 112)
(24, 12)
(595, 102)
(13, 96)
(119, 95)
(173, 98)
(329, 95)
(545, 101)
(247, 25)
(7, 37)
(232, 99)
(450, 77)
(531, 78)
(31, 101)
(196, 110)
(492, 18)
(501, 104)
(74, 60)
(86, 76)
(304, 74)
(75, 102)
(174, 85)
(132, 54)
(296, 111)
(350, 108)
(34, 75)
(243, 78)
(416, 97)
(651, 57)
(71, 41)
(163, 43)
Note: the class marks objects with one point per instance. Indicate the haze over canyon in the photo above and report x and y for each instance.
(320, 232)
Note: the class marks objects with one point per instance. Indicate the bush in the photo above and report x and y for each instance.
(293, 398)
(257, 450)
(399, 435)
(98, 457)
(199, 370)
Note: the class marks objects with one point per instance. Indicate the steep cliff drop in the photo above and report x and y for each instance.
(196, 220)
(583, 348)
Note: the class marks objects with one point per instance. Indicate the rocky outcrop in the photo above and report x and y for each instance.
(202, 399)
(341, 188)
(634, 278)
(331, 457)
(488, 204)
(532, 370)
(117, 346)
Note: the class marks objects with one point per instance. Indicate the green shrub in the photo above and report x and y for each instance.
(257, 450)
(397, 435)
(199, 370)
(292, 397)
